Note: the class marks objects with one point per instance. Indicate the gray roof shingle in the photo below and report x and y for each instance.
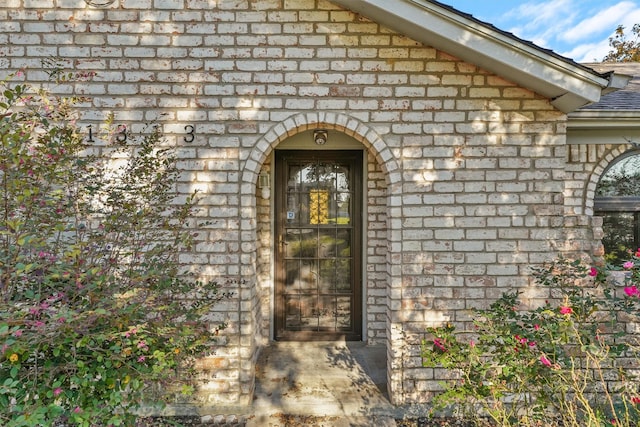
(627, 98)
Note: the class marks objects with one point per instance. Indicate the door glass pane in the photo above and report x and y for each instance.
(327, 243)
(343, 275)
(343, 310)
(343, 242)
(308, 312)
(342, 206)
(327, 275)
(301, 242)
(326, 313)
(308, 275)
(292, 280)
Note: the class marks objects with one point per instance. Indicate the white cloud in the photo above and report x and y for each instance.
(577, 29)
(597, 48)
(588, 52)
(533, 20)
(604, 20)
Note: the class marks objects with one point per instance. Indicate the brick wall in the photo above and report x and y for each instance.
(376, 251)
(466, 171)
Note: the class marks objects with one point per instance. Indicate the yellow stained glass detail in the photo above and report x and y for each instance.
(319, 206)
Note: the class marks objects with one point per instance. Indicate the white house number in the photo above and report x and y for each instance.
(121, 134)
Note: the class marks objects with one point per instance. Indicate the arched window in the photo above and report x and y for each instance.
(617, 200)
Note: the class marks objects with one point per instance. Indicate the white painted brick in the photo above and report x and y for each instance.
(474, 166)
(42, 51)
(24, 39)
(44, 4)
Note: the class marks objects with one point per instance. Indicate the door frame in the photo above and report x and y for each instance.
(356, 161)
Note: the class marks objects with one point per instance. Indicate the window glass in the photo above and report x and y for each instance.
(619, 236)
(617, 200)
(621, 179)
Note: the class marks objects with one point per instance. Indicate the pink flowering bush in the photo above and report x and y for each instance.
(95, 317)
(570, 362)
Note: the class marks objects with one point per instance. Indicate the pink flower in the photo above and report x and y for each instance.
(57, 391)
(593, 272)
(18, 333)
(565, 310)
(142, 344)
(627, 265)
(632, 291)
(536, 327)
(130, 332)
(77, 409)
(545, 361)
(439, 344)
(142, 359)
(472, 344)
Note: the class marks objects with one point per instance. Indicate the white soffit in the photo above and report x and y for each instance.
(568, 86)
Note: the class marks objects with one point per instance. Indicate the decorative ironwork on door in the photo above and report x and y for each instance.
(318, 291)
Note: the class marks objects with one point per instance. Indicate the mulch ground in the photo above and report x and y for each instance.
(310, 421)
(439, 422)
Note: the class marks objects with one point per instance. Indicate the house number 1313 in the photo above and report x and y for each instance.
(121, 134)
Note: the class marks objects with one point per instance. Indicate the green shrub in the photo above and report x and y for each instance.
(95, 314)
(569, 362)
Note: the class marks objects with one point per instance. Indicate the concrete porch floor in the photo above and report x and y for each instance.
(329, 384)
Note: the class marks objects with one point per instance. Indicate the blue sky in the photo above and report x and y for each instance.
(578, 29)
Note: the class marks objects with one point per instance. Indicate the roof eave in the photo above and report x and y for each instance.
(603, 119)
(568, 85)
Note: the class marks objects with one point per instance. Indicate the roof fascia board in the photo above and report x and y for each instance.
(604, 119)
(602, 136)
(568, 86)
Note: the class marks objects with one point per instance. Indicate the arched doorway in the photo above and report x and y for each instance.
(382, 178)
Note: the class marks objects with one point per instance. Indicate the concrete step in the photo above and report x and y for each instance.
(328, 384)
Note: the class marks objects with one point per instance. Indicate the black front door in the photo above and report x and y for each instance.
(318, 200)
